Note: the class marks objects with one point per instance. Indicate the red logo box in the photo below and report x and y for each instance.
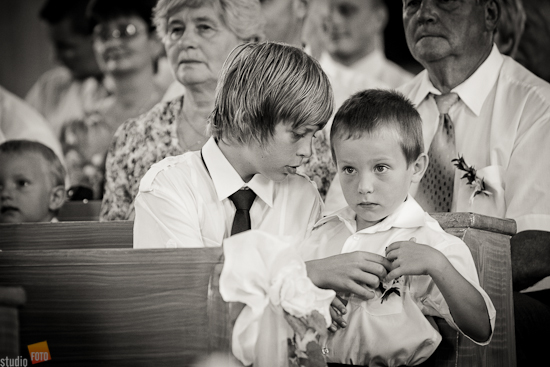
(39, 352)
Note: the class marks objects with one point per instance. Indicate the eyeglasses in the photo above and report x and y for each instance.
(122, 31)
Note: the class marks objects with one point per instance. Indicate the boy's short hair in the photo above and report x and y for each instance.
(367, 111)
(262, 84)
(57, 171)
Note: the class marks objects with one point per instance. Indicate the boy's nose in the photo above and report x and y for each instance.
(365, 184)
(306, 150)
(5, 192)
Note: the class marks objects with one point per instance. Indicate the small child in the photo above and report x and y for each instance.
(31, 182)
(270, 100)
(377, 145)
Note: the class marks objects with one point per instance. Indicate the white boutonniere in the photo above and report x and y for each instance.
(477, 183)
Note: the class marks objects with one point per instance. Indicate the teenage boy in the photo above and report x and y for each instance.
(271, 100)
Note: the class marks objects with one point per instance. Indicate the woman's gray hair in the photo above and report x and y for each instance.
(242, 17)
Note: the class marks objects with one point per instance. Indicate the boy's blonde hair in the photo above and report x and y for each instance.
(264, 84)
(367, 111)
(57, 171)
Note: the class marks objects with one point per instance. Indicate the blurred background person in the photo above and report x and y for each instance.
(510, 26)
(284, 20)
(68, 91)
(198, 36)
(126, 49)
(354, 55)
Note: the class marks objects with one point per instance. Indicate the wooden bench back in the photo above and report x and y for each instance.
(111, 288)
(114, 307)
(66, 235)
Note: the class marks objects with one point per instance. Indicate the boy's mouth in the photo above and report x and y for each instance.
(291, 169)
(6, 209)
(367, 204)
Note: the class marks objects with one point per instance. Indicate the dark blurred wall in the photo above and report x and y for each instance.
(25, 51)
(395, 44)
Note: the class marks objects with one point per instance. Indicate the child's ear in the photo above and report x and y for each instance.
(419, 167)
(58, 196)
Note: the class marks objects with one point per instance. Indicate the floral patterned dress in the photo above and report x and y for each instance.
(137, 145)
(320, 168)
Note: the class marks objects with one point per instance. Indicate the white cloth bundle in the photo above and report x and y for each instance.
(266, 273)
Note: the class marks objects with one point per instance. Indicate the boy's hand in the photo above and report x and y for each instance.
(354, 272)
(411, 258)
(337, 309)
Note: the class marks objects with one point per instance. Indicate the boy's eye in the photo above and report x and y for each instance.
(23, 183)
(348, 170)
(298, 136)
(380, 169)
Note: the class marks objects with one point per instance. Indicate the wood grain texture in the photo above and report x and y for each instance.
(11, 298)
(114, 307)
(491, 253)
(66, 235)
(475, 221)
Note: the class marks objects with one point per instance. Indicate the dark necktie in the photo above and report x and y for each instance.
(243, 200)
(435, 191)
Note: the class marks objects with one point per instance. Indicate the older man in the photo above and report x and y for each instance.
(485, 107)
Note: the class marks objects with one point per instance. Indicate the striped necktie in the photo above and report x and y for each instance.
(435, 191)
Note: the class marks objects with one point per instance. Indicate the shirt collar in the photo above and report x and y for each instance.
(474, 90)
(408, 215)
(227, 181)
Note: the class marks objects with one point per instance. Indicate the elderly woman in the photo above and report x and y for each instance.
(197, 35)
(126, 47)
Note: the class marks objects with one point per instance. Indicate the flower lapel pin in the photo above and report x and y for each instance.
(477, 183)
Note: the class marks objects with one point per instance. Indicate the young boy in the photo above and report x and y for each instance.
(378, 148)
(31, 182)
(270, 101)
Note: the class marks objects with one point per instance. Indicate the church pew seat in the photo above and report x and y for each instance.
(103, 293)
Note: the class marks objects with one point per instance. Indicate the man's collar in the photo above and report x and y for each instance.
(226, 179)
(474, 90)
(408, 215)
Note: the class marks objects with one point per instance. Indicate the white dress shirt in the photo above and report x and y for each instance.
(181, 203)
(337, 233)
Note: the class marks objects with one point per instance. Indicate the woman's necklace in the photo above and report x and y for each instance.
(184, 136)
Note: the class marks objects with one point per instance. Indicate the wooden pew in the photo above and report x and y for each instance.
(66, 235)
(489, 241)
(85, 210)
(11, 298)
(78, 277)
(114, 307)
